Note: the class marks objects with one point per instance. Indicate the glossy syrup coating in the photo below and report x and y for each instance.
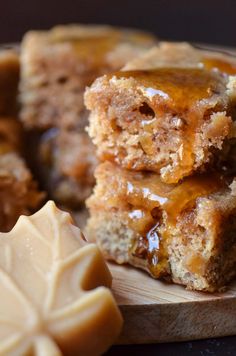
(93, 48)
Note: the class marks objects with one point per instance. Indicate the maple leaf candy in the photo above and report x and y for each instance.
(53, 289)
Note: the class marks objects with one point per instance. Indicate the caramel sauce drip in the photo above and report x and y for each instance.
(184, 92)
(151, 201)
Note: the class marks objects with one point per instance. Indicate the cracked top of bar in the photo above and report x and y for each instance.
(170, 111)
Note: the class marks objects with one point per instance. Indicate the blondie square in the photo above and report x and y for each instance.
(171, 111)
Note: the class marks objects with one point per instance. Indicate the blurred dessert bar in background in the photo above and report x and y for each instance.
(18, 191)
(68, 163)
(56, 66)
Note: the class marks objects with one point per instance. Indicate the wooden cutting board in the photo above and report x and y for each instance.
(155, 311)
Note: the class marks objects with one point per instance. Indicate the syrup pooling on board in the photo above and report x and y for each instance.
(185, 93)
(151, 204)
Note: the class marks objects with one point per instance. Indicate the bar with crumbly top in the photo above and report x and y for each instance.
(185, 233)
(171, 111)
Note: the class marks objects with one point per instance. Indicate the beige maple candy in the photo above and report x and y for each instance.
(53, 291)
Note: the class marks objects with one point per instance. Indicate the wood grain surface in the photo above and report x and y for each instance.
(155, 311)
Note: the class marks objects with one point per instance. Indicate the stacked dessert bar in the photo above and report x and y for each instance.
(165, 195)
(57, 65)
(18, 191)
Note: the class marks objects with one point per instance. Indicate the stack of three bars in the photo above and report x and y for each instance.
(165, 195)
(57, 65)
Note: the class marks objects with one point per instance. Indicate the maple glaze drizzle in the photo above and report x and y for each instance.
(180, 87)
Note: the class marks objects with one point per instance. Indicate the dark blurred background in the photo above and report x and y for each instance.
(206, 21)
